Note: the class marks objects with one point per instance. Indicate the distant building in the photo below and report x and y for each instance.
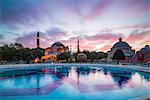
(142, 56)
(125, 47)
(81, 57)
(52, 52)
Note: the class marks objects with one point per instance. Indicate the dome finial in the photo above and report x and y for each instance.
(120, 39)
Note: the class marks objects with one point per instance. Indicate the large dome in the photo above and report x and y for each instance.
(120, 44)
(58, 44)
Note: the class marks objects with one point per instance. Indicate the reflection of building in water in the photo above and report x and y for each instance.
(73, 74)
(125, 47)
(137, 80)
(52, 52)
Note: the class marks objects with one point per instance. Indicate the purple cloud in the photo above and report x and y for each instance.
(29, 40)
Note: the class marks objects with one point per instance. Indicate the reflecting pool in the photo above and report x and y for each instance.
(73, 82)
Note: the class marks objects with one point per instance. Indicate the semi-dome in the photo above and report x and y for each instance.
(145, 49)
(58, 44)
(120, 44)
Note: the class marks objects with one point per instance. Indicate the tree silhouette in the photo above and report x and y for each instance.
(37, 52)
(118, 55)
(16, 52)
(64, 56)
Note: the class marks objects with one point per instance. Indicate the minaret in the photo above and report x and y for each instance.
(78, 47)
(38, 40)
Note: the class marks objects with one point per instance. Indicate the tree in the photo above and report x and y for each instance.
(64, 56)
(7, 52)
(74, 56)
(16, 53)
(37, 52)
(25, 54)
(118, 55)
(1, 53)
(93, 56)
(87, 53)
(17, 48)
(101, 55)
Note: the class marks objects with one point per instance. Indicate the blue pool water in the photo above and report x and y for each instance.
(73, 82)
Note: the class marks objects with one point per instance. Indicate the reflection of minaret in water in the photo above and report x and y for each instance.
(78, 47)
(38, 40)
(38, 83)
(78, 77)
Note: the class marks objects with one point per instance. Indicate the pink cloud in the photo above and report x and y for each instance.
(90, 43)
(104, 37)
(139, 26)
(29, 40)
(55, 36)
(95, 10)
(138, 36)
(136, 8)
(106, 48)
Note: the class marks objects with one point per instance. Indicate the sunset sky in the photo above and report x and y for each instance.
(97, 23)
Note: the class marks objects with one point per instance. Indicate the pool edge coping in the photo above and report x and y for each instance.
(133, 67)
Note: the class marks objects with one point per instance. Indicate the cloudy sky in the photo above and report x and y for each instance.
(97, 23)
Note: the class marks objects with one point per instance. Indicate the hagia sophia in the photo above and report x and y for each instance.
(131, 56)
(52, 52)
